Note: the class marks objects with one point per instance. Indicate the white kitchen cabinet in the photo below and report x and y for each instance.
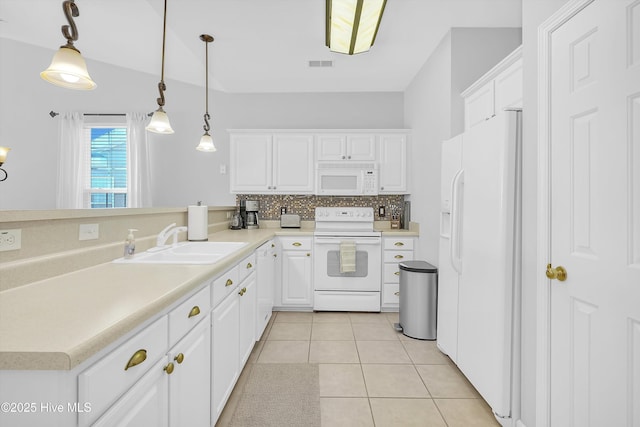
(144, 404)
(189, 383)
(395, 250)
(247, 318)
(225, 351)
(392, 157)
(266, 163)
(500, 88)
(266, 258)
(346, 147)
(296, 272)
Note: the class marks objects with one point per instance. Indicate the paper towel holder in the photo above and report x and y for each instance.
(198, 223)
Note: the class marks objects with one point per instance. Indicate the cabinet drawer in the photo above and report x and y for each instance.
(402, 243)
(223, 285)
(107, 379)
(397, 256)
(391, 273)
(295, 243)
(246, 267)
(390, 293)
(188, 314)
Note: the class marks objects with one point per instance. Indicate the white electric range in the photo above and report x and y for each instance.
(357, 290)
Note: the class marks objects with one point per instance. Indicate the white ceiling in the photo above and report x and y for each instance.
(260, 45)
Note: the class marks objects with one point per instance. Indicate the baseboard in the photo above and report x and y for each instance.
(519, 423)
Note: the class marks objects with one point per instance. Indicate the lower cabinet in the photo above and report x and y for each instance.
(225, 352)
(296, 272)
(396, 250)
(266, 258)
(248, 306)
(175, 391)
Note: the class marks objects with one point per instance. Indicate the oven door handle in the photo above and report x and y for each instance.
(336, 241)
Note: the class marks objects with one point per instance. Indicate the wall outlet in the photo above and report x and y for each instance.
(223, 169)
(10, 240)
(88, 232)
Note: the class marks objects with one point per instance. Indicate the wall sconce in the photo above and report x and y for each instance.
(352, 25)
(206, 142)
(68, 69)
(3, 156)
(160, 121)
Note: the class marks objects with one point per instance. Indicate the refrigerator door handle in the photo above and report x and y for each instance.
(456, 215)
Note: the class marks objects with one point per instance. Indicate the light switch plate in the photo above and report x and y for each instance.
(10, 240)
(88, 232)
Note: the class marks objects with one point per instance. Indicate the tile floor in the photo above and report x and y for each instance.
(370, 375)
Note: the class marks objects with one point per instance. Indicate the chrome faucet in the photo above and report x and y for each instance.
(169, 231)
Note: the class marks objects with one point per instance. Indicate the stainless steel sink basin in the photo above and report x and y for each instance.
(185, 253)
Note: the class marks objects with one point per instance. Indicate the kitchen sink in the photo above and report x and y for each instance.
(185, 253)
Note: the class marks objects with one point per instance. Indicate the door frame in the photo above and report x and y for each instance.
(543, 300)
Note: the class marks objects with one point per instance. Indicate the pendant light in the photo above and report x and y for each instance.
(206, 142)
(3, 157)
(68, 69)
(352, 25)
(160, 121)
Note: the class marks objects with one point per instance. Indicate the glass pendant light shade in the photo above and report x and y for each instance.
(352, 25)
(68, 70)
(206, 143)
(3, 154)
(159, 122)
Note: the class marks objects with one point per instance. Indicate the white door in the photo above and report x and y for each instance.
(225, 352)
(248, 307)
(595, 217)
(296, 278)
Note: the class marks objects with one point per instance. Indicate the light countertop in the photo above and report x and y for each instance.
(58, 323)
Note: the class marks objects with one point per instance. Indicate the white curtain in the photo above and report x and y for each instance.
(139, 172)
(72, 162)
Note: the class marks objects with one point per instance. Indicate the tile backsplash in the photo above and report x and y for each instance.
(305, 205)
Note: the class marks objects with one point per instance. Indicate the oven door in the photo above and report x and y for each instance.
(366, 276)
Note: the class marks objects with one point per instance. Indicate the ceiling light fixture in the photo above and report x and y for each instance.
(3, 156)
(68, 69)
(206, 142)
(352, 25)
(160, 121)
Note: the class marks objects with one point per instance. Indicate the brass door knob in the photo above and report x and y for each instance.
(556, 273)
(137, 358)
(169, 368)
(179, 358)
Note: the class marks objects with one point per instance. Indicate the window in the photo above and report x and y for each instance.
(106, 183)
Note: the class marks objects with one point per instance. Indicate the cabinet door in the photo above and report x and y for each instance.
(479, 106)
(189, 384)
(248, 302)
(293, 171)
(331, 147)
(251, 163)
(508, 87)
(361, 147)
(145, 404)
(224, 352)
(393, 164)
(265, 281)
(297, 287)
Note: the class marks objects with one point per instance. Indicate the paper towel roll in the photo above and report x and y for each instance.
(198, 222)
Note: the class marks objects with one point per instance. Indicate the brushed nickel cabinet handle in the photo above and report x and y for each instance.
(137, 358)
(194, 311)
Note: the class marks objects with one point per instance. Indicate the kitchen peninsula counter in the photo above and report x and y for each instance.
(60, 322)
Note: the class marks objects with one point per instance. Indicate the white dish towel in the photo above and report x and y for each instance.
(347, 256)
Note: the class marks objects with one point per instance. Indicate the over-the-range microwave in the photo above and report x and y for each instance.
(346, 178)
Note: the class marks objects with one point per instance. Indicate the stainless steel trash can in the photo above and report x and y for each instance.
(418, 299)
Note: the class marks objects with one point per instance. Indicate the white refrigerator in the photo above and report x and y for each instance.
(479, 271)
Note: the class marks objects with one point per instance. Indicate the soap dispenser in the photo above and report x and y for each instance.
(130, 244)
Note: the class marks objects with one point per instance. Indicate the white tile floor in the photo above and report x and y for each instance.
(370, 375)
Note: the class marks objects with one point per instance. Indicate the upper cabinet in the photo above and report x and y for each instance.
(498, 89)
(282, 161)
(393, 164)
(346, 147)
(272, 163)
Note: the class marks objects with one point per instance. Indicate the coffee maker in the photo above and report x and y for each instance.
(252, 207)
